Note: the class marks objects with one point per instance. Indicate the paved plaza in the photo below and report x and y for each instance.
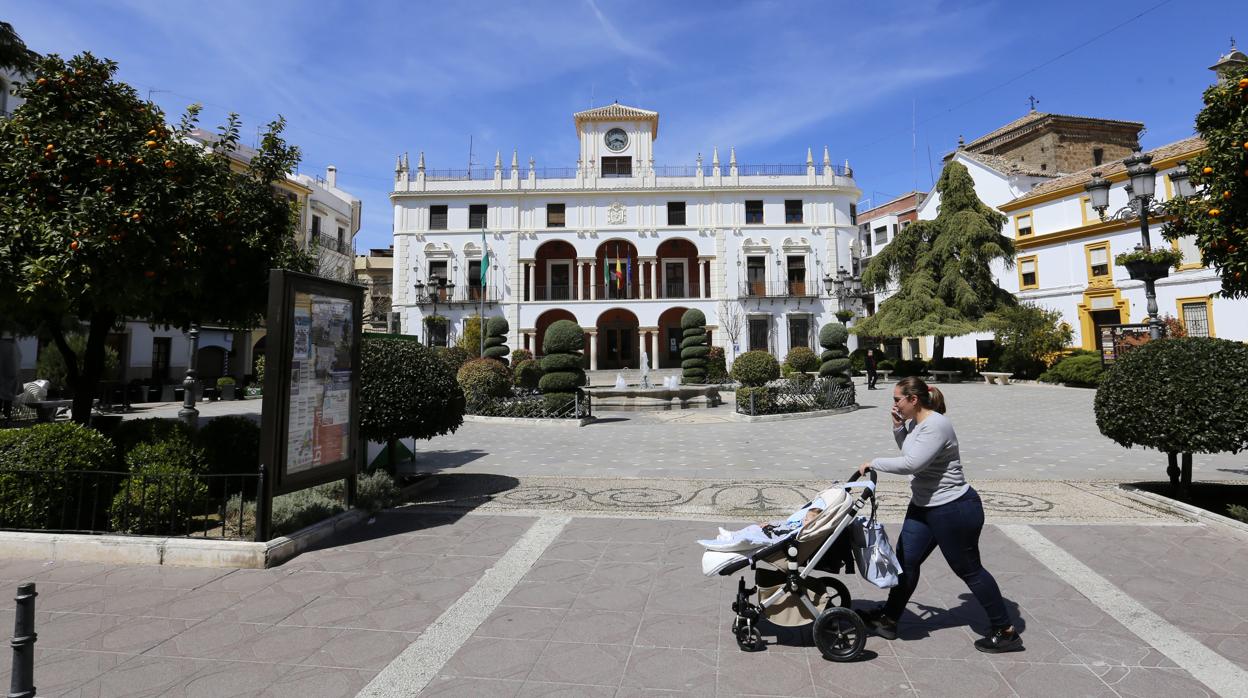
(562, 561)
(470, 604)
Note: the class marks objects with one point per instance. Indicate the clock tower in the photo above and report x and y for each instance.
(617, 140)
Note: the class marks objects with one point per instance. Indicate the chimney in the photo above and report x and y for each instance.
(331, 176)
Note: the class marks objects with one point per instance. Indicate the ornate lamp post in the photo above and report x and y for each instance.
(428, 293)
(188, 413)
(1140, 193)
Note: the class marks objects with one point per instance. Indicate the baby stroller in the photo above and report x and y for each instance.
(792, 577)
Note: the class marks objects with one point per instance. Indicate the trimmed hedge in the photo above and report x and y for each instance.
(527, 374)
(964, 366)
(406, 391)
(496, 329)
(802, 359)
(483, 379)
(1080, 370)
(452, 357)
(693, 346)
(835, 357)
(755, 368)
(764, 398)
(151, 430)
(518, 355)
(561, 365)
(231, 445)
(35, 501)
(164, 491)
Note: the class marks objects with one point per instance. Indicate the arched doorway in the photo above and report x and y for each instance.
(618, 271)
(554, 272)
(669, 337)
(618, 343)
(544, 321)
(679, 274)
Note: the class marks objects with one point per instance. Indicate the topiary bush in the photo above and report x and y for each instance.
(483, 380)
(163, 493)
(1080, 370)
(528, 373)
(38, 500)
(755, 368)
(518, 355)
(835, 357)
(1183, 395)
(470, 340)
(716, 367)
(802, 360)
(406, 391)
(496, 329)
(561, 366)
(693, 346)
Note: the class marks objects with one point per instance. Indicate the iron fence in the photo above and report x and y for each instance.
(789, 396)
(533, 406)
(169, 503)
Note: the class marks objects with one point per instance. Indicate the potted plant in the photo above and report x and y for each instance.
(845, 315)
(225, 388)
(1149, 265)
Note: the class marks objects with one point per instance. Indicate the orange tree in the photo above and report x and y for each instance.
(1218, 215)
(107, 213)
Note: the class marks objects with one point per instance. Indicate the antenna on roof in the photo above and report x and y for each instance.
(591, 94)
(470, 157)
(1034, 102)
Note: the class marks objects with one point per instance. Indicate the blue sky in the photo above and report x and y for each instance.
(360, 82)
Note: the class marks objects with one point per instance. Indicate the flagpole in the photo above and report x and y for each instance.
(485, 267)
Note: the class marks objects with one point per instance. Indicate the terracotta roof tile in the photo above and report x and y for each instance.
(1006, 165)
(618, 112)
(1035, 116)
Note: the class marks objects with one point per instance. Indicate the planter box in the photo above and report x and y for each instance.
(1147, 271)
(228, 392)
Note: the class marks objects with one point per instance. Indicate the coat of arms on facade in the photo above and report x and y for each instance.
(616, 214)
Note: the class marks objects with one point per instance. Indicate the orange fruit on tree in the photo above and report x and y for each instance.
(151, 144)
(41, 81)
(1243, 83)
(1207, 170)
(73, 245)
(1215, 212)
(138, 161)
(170, 164)
(1226, 194)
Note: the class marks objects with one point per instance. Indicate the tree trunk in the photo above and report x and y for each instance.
(391, 466)
(938, 348)
(1172, 469)
(86, 381)
(1185, 481)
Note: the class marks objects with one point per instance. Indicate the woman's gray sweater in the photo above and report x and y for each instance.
(929, 455)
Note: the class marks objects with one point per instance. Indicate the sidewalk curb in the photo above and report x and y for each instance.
(583, 421)
(1187, 511)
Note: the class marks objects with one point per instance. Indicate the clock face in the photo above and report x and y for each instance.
(617, 139)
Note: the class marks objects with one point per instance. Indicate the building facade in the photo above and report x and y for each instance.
(624, 247)
(376, 272)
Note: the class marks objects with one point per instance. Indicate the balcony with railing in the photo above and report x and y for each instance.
(333, 244)
(635, 174)
(780, 289)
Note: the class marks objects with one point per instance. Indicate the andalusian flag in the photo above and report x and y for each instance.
(485, 259)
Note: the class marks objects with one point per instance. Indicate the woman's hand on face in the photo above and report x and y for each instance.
(862, 469)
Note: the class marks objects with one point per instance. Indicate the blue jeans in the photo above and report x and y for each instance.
(954, 527)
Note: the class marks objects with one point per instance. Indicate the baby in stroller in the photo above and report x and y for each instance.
(793, 562)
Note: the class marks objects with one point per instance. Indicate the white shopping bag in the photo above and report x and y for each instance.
(874, 554)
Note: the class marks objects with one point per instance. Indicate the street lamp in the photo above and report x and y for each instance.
(843, 286)
(435, 287)
(1182, 182)
(1140, 192)
(188, 413)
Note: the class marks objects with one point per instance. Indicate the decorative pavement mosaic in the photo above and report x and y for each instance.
(1004, 500)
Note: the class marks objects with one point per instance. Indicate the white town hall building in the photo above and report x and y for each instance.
(624, 247)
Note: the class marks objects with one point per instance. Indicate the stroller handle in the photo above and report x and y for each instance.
(856, 475)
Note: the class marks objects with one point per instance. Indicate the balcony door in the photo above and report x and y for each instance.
(559, 281)
(756, 275)
(675, 278)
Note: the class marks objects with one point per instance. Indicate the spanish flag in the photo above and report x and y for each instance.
(619, 272)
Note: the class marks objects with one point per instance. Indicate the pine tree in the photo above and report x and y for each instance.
(1218, 215)
(942, 268)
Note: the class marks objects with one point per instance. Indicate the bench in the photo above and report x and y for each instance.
(946, 376)
(1002, 378)
(46, 409)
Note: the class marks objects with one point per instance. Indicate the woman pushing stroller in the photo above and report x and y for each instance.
(944, 512)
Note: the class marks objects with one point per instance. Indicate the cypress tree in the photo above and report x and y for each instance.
(942, 269)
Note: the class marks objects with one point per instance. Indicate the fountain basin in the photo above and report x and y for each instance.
(635, 396)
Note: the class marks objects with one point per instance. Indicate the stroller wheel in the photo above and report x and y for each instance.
(838, 593)
(840, 634)
(749, 639)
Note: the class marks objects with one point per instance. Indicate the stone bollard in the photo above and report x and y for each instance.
(22, 680)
